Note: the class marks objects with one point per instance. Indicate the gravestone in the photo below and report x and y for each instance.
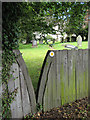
(70, 46)
(34, 43)
(79, 41)
(40, 42)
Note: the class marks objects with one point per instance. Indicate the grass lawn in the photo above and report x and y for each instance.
(34, 57)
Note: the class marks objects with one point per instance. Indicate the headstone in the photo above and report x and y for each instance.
(34, 43)
(40, 42)
(48, 40)
(70, 46)
(79, 41)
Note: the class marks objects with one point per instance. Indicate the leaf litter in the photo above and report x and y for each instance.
(77, 110)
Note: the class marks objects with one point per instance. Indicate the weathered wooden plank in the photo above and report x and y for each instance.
(77, 75)
(61, 79)
(49, 99)
(51, 96)
(75, 61)
(74, 74)
(11, 88)
(54, 74)
(45, 101)
(65, 78)
(27, 78)
(89, 68)
(71, 74)
(58, 63)
(25, 97)
(43, 80)
(87, 73)
(61, 76)
(80, 72)
(85, 60)
(18, 96)
(49, 89)
(84, 73)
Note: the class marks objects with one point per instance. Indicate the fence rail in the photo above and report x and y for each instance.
(64, 78)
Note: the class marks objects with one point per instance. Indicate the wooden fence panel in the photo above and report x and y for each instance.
(25, 101)
(65, 78)
(25, 97)
(28, 81)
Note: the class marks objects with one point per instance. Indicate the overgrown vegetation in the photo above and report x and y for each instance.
(43, 16)
(11, 13)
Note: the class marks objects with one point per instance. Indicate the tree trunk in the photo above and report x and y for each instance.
(82, 37)
(62, 40)
(28, 39)
(53, 41)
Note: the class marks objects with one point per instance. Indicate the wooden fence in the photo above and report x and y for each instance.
(64, 78)
(25, 101)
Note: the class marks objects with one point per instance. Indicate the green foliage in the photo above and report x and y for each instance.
(7, 60)
(11, 13)
(49, 37)
(43, 16)
(34, 20)
(76, 17)
(10, 16)
(39, 107)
